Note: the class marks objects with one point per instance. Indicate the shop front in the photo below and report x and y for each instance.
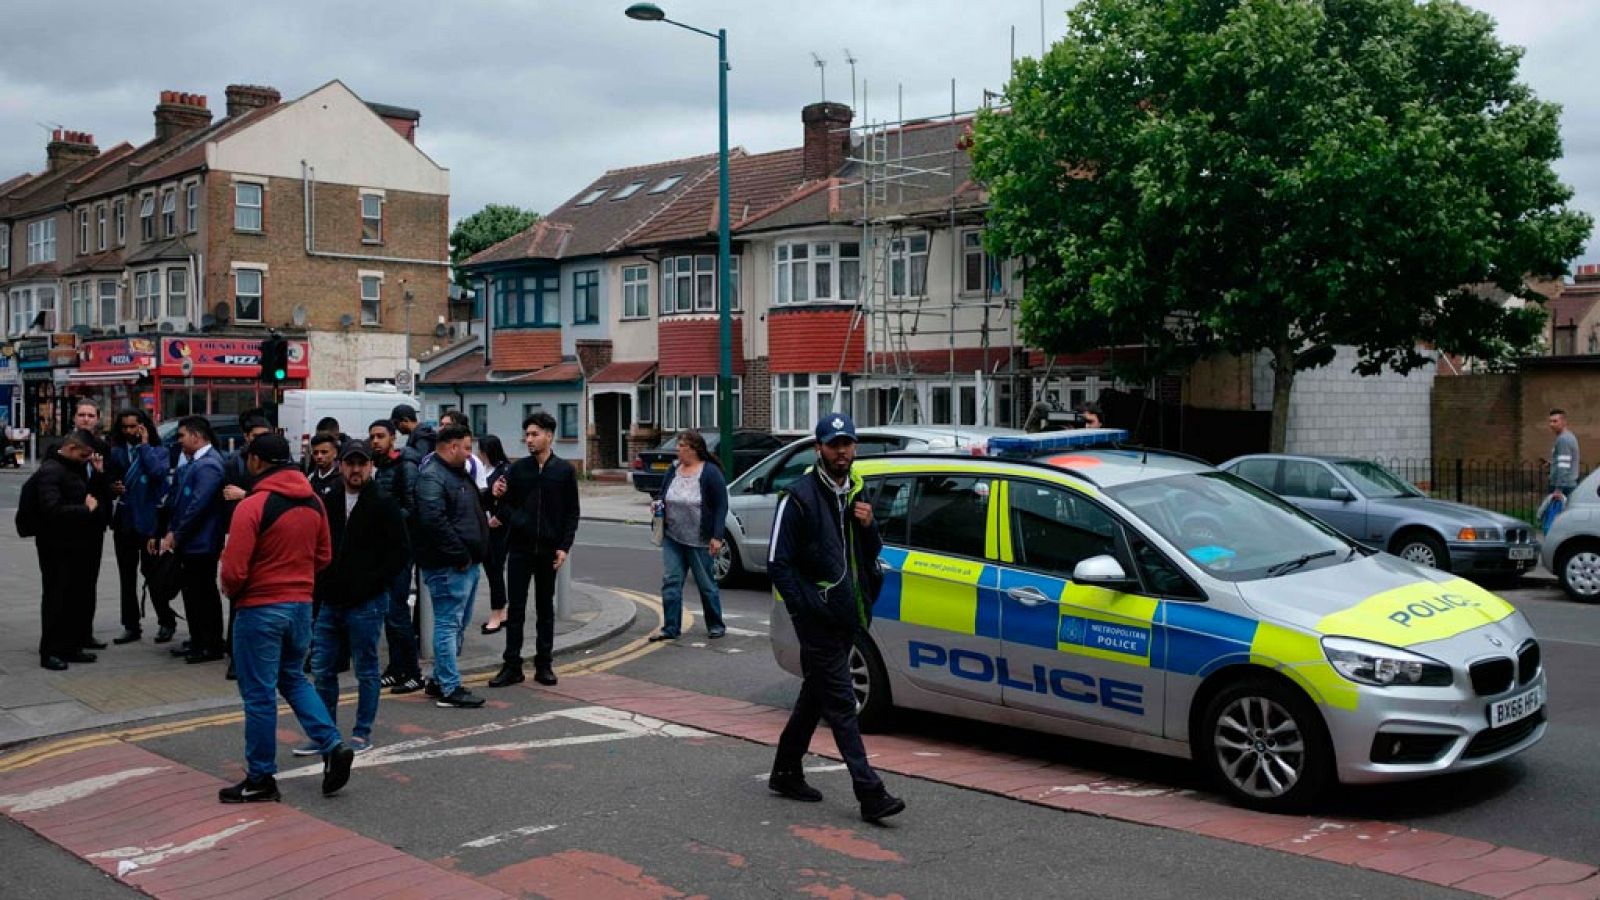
(43, 363)
(116, 374)
(218, 376)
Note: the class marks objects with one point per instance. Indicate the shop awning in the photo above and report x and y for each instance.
(108, 376)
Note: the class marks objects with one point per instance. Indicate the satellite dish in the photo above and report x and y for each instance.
(166, 327)
(222, 313)
(346, 320)
(439, 330)
(299, 315)
(208, 322)
(82, 331)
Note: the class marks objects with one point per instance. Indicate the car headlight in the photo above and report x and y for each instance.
(1378, 664)
(1479, 533)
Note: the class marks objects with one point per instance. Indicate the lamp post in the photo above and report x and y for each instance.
(649, 12)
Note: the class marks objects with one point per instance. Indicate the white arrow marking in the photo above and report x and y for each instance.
(745, 632)
(504, 836)
(833, 768)
(131, 858)
(45, 798)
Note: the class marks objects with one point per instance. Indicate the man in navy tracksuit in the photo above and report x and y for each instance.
(823, 563)
(138, 466)
(195, 534)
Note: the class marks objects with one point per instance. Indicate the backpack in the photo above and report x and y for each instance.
(29, 516)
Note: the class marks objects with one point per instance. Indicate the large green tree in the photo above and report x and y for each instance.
(1288, 176)
(485, 228)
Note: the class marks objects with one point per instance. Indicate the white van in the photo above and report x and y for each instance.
(355, 410)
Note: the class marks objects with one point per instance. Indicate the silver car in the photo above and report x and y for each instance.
(1368, 502)
(1153, 602)
(1572, 545)
(753, 496)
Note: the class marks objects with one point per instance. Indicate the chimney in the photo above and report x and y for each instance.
(827, 141)
(1587, 274)
(69, 148)
(180, 113)
(244, 97)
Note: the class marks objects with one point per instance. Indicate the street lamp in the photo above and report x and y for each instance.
(649, 12)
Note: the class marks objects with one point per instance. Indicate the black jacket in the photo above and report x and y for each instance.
(396, 474)
(824, 563)
(420, 442)
(326, 486)
(63, 488)
(540, 505)
(369, 549)
(451, 529)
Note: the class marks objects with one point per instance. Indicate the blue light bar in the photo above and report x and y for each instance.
(1029, 445)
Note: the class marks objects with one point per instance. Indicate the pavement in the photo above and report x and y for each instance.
(609, 501)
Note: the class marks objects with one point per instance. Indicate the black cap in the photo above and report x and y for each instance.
(270, 448)
(403, 412)
(355, 448)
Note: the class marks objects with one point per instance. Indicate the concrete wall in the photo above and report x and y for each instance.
(1335, 411)
(347, 360)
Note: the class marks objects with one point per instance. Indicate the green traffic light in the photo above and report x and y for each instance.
(280, 374)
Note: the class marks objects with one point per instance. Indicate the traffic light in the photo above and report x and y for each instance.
(274, 360)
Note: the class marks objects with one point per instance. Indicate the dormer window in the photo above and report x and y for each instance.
(666, 184)
(628, 191)
(593, 196)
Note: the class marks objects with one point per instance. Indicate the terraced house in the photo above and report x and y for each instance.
(149, 274)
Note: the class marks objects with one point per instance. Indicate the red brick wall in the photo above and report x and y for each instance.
(689, 345)
(525, 349)
(757, 395)
(1478, 417)
(813, 340)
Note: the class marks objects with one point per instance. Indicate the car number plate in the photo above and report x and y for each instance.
(660, 467)
(1521, 553)
(1512, 709)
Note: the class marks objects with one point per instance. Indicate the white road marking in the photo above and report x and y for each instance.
(1117, 789)
(45, 798)
(1319, 831)
(745, 632)
(131, 858)
(504, 836)
(836, 767)
(734, 650)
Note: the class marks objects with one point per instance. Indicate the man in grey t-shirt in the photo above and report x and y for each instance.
(1563, 457)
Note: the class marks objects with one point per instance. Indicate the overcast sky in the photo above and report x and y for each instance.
(525, 101)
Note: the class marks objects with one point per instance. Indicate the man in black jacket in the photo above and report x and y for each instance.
(420, 439)
(66, 511)
(539, 503)
(325, 472)
(452, 538)
(823, 563)
(369, 549)
(86, 417)
(396, 475)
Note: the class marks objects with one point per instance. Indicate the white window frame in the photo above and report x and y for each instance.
(102, 227)
(5, 246)
(667, 184)
(146, 296)
(84, 245)
(823, 271)
(905, 278)
(102, 297)
(242, 210)
(592, 197)
(801, 399)
(191, 205)
(991, 275)
(147, 216)
(372, 301)
(80, 305)
(260, 295)
(21, 309)
(631, 189)
(686, 279)
(42, 294)
(119, 215)
(686, 399)
(371, 225)
(181, 282)
(169, 212)
(42, 241)
(635, 292)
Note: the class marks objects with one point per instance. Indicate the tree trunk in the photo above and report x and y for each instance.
(1282, 391)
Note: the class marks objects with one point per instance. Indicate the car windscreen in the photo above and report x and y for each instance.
(1231, 528)
(1375, 481)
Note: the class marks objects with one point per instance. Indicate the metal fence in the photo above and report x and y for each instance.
(1515, 489)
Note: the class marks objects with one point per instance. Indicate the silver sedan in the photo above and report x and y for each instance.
(1572, 545)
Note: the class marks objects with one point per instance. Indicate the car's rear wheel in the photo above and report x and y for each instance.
(1578, 567)
(1264, 744)
(725, 565)
(1423, 548)
(870, 681)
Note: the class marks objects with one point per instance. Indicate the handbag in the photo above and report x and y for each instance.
(658, 521)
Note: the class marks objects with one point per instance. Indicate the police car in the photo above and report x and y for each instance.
(1151, 601)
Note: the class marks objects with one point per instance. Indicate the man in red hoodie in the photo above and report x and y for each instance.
(277, 542)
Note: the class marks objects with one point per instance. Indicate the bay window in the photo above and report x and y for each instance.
(177, 293)
(690, 401)
(689, 284)
(146, 295)
(799, 400)
(817, 272)
(527, 300)
(82, 304)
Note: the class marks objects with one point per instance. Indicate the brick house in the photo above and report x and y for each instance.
(190, 247)
(1574, 327)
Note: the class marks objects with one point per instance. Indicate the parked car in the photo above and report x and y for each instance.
(749, 447)
(1572, 545)
(1371, 504)
(753, 497)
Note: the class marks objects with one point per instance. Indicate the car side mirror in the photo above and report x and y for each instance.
(1340, 494)
(1101, 571)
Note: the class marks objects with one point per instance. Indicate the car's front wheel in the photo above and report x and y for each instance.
(1578, 567)
(1265, 745)
(870, 681)
(1424, 549)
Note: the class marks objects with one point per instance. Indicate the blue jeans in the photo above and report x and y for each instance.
(676, 557)
(362, 625)
(451, 591)
(398, 629)
(269, 654)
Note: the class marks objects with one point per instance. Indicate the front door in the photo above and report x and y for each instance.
(1072, 650)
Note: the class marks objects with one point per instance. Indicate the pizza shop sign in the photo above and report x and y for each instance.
(227, 357)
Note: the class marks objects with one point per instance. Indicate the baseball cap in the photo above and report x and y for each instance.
(403, 412)
(355, 448)
(834, 426)
(270, 448)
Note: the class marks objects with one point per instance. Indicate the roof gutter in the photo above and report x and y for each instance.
(308, 175)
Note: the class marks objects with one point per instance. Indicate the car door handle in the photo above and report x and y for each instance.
(1028, 596)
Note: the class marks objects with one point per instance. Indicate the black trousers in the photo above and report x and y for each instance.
(540, 569)
(58, 634)
(89, 584)
(202, 602)
(826, 694)
(132, 558)
(494, 566)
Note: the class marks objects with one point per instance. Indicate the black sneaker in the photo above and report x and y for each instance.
(390, 679)
(407, 686)
(460, 699)
(432, 689)
(793, 785)
(881, 806)
(252, 790)
(336, 768)
(545, 676)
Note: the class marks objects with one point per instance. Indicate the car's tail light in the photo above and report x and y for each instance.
(638, 462)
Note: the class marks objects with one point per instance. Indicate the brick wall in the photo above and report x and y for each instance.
(1335, 411)
(813, 340)
(1574, 389)
(758, 394)
(1478, 417)
(593, 355)
(525, 349)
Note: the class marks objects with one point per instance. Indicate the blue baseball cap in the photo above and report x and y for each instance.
(834, 426)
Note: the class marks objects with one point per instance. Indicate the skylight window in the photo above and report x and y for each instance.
(666, 184)
(628, 191)
(592, 196)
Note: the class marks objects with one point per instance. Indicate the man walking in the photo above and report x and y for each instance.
(1564, 463)
(420, 439)
(195, 534)
(452, 539)
(823, 562)
(539, 502)
(277, 542)
(370, 548)
(137, 468)
(396, 475)
(61, 508)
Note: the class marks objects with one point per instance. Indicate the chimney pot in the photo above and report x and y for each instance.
(827, 139)
(68, 148)
(180, 113)
(241, 98)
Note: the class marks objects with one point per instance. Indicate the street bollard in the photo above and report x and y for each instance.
(424, 619)
(563, 588)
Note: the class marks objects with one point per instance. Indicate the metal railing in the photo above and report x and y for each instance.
(1514, 489)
